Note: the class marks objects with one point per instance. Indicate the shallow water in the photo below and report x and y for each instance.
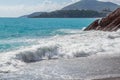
(67, 69)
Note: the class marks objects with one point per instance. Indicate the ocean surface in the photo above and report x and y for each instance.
(56, 49)
(20, 32)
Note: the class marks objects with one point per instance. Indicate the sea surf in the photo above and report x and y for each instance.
(29, 42)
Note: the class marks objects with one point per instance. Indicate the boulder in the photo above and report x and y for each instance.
(109, 23)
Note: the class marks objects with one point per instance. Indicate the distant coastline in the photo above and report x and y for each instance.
(67, 14)
(80, 9)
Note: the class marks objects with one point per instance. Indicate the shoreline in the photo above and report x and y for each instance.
(86, 68)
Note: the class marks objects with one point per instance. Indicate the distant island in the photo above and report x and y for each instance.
(69, 14)
(80, 9)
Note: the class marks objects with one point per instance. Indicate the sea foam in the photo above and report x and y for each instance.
(79, 44)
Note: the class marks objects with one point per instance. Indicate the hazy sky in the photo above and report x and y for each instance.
(14, 8)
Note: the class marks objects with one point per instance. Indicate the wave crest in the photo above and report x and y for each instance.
(41, 53)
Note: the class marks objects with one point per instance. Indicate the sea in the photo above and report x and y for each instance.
(56, 49)
(21, 32)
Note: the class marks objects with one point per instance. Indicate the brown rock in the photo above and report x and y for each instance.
(93, 25)
(109, 23)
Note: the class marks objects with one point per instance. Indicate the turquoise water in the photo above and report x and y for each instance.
(16, 32)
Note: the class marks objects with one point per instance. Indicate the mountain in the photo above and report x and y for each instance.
(68, 14)
(24, 16)
(83, 8)
(109, 23)
(92, 5)
(35, 14)
(31, 15)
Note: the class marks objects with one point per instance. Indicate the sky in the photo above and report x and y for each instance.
(16, 8)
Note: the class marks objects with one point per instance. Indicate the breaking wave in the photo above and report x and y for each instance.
(80, 44)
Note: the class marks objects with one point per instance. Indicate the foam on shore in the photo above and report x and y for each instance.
(78, 44)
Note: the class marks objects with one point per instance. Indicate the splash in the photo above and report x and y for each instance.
(80, 44)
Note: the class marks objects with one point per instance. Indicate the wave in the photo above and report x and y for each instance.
(68, 31)
(81, 44)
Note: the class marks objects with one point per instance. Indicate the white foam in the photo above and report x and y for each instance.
(84, 28)
(81, 44)
(72, 31)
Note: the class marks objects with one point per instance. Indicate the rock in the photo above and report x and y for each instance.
(109, 23)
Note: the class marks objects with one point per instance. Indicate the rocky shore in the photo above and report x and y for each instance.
(109, 23)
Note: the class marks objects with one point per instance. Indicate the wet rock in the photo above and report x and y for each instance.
(109, 23)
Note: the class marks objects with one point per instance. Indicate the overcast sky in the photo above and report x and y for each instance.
(15, 8)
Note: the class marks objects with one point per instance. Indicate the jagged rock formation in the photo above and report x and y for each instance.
(109, 23)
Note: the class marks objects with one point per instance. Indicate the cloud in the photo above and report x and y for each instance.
(18, 10)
